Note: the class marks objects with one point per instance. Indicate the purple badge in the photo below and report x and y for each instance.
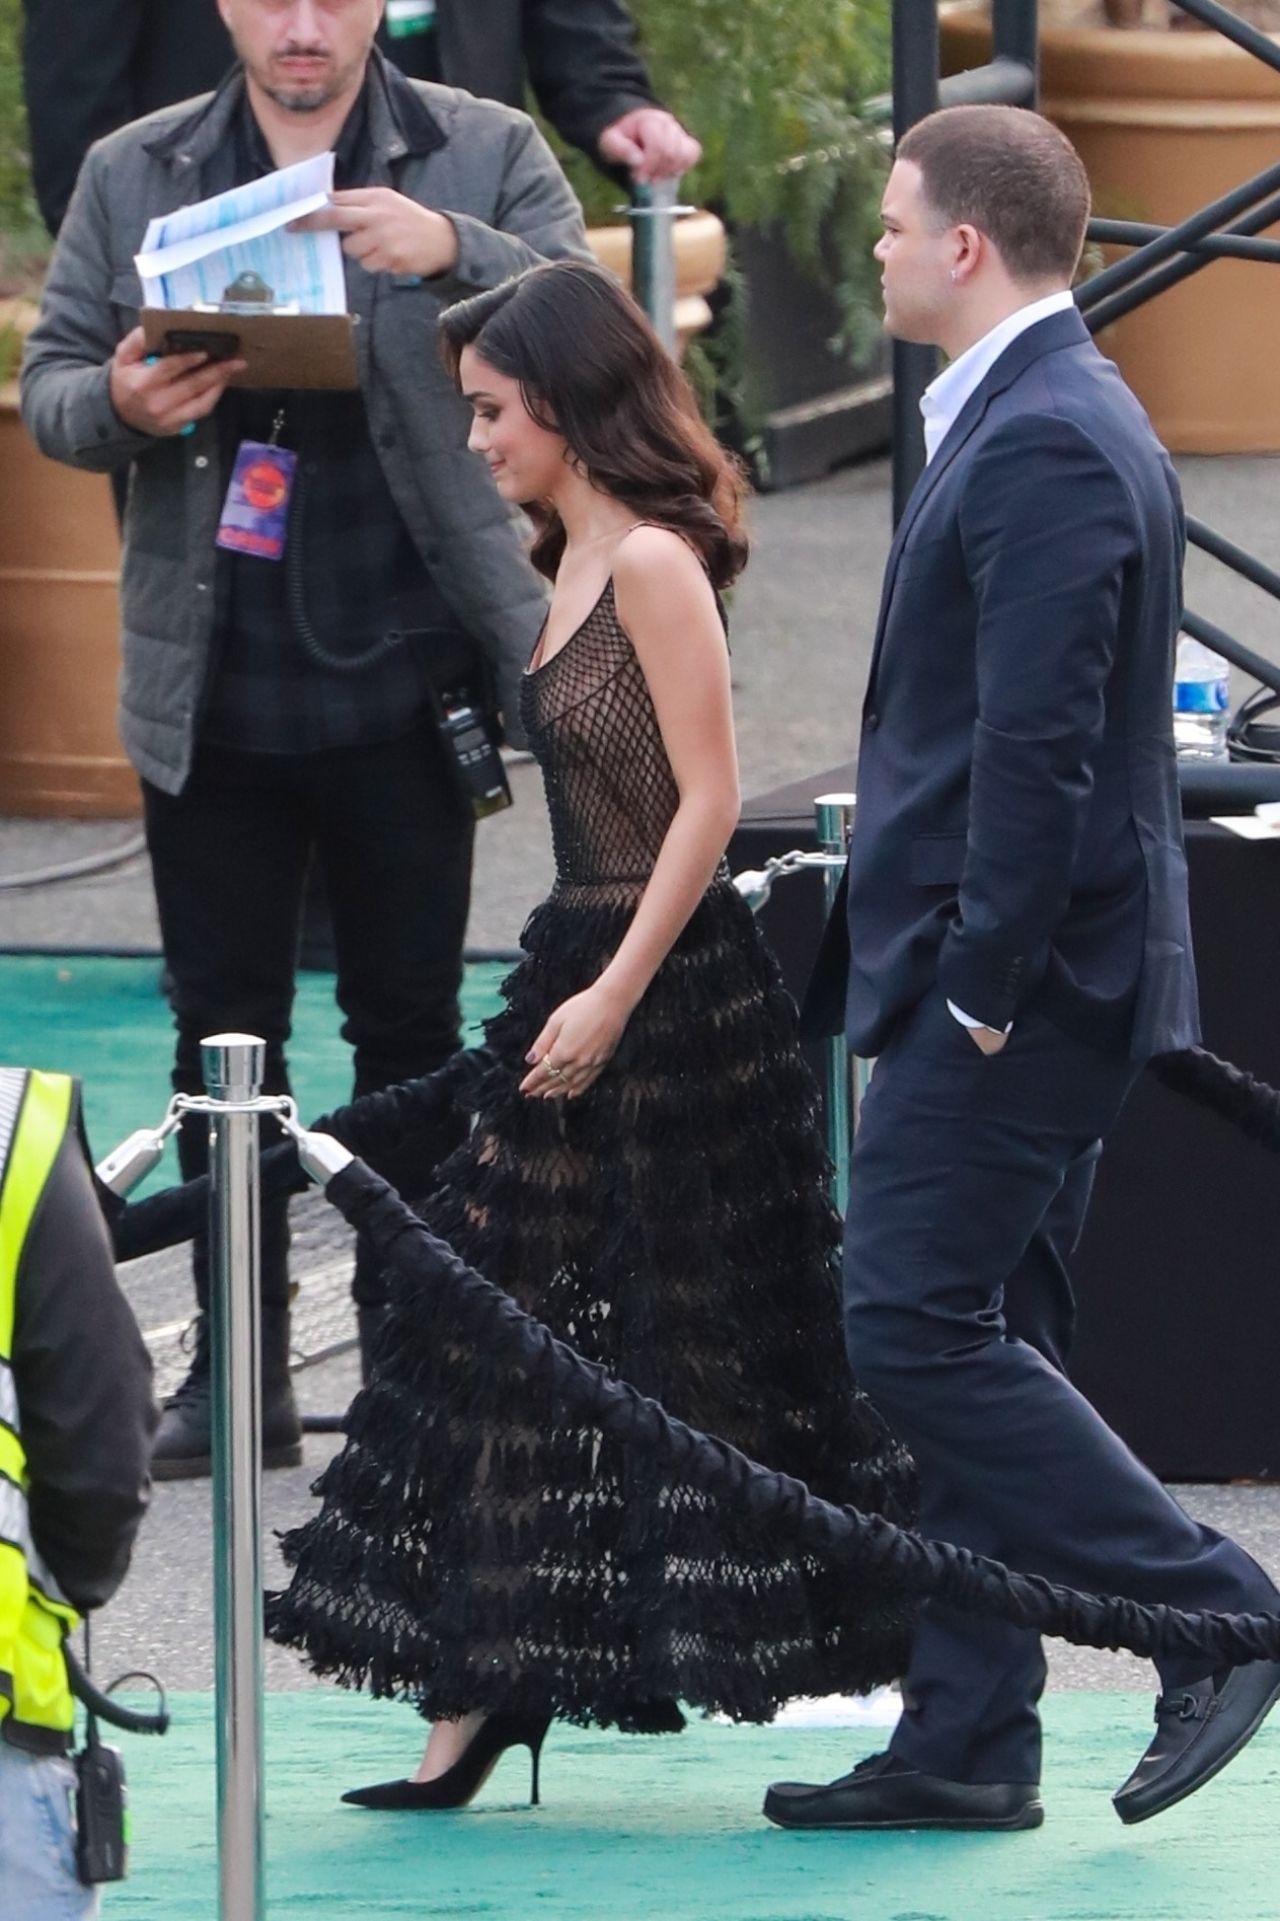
(256, 509)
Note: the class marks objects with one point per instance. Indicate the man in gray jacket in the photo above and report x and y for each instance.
(273, 707)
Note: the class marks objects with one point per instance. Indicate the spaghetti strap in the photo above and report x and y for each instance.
(662, 527)
(684, 538)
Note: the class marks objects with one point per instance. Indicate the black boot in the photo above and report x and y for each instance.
(183, 1443)
(281, 1427)
(181, 1447)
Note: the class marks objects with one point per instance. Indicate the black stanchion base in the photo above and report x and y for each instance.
(1178, 1274)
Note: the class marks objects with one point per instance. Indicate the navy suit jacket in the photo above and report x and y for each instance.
(1018, 834)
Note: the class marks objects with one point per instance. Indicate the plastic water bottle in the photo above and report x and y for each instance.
(1200, 695)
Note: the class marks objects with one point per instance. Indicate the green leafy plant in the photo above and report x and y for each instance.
(775, 90)
(24, 244)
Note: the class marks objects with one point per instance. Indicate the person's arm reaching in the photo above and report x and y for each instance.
(583, 66)
(668, 608)
(592, 85)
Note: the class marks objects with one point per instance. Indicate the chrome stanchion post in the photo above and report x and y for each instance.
(233, 1067)
(653, 214)
(834, 817)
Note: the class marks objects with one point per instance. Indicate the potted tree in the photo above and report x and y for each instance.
(59, 550)
(774, 92)
(1167, 120)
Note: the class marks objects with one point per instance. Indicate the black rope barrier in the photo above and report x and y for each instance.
(1237, 1097)
(378, 1125)
(920, 1568)
(381, 1127)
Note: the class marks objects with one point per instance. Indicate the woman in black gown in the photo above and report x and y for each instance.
(644, 1174)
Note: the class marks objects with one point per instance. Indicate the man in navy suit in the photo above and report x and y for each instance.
(1015, 946)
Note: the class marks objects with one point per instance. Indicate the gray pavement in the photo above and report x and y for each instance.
(802, 623)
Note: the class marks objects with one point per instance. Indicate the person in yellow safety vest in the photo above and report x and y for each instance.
(76, 1420)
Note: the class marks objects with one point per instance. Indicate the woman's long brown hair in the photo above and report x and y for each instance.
(592, 369)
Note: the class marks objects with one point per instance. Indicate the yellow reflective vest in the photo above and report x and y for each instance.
(36, 1706)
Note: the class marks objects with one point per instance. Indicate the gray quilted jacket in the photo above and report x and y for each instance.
(487, 167)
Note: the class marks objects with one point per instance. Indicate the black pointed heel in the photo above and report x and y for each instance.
(460, 1783)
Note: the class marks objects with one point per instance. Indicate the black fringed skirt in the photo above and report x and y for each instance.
(478, 1548)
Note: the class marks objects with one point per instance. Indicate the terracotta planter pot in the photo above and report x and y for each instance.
(1166, 122)
(59, 648)
(700, 257)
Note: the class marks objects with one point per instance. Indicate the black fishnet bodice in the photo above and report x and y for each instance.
(611, 793)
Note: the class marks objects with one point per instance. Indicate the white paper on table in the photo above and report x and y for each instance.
(1248, 826)
(190, 257)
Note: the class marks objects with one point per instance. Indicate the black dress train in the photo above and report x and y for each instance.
(476, 1547)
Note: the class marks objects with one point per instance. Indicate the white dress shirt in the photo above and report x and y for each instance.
(943, 401)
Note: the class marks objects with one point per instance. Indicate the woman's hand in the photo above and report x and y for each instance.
(576, 1045)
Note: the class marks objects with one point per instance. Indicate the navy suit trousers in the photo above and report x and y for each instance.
(969, 1183)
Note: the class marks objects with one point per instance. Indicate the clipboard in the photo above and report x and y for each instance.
(282, 349)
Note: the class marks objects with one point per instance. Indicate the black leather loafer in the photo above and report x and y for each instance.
(883, 1792)
(1198, 1730)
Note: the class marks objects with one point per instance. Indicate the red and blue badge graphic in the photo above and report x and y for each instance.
(256, 510)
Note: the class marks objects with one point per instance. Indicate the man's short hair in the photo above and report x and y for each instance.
(1012, 175)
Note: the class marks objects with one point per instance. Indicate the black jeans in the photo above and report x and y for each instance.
(229, 857)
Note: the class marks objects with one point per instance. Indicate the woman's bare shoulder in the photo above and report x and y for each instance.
(653, 559)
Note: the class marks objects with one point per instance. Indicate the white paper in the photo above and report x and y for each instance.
(190, 258)
(1248, 826)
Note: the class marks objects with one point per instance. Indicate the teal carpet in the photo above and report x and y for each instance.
(106, 1021)
(671, 1828)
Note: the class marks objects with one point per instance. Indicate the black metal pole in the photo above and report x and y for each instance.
(1211, 635)
(1215, 246)
(1232, 27)
(1230, 206)
(1217, 545)
(1001, 83)
(915, 94)
(1099, 314)
(1015, 35)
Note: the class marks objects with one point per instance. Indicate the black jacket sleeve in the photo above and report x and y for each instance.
(83, 1379)
(77, 65)
(583, 66)
(90, 66)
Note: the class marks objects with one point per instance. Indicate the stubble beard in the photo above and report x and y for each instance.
(314, 98)
(301, 99)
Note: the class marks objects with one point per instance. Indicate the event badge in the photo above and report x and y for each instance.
(256, 509)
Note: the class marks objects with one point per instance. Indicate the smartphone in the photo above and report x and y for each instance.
(216, 346)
